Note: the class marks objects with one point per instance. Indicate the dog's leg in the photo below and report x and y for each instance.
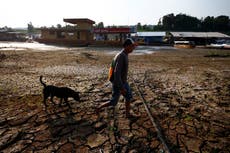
(44, 102)
(60, 102)
(66, 99)
(52, 99)
(67, 103)
(45, 96)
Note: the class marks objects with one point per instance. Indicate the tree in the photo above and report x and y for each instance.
(139, 27)
(100, 25)
(59, 26)
(145, 27)
(168, 21)
(184, 22)
(221, 23)
(159, 22)
(30, 28)
(208, 24)
(159, 26)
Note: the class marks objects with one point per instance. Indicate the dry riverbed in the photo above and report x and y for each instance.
(188, 95)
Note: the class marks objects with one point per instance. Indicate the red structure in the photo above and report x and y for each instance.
(112, 30)
(112, 36)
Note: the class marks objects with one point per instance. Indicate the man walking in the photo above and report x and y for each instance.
(118, 76)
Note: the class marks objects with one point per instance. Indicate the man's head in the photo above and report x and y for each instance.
(129, 45)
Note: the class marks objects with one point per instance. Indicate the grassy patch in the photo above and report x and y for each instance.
(217, 54)
(188, 117)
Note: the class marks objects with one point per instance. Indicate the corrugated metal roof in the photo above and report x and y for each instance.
(199, 34)
(148, 34)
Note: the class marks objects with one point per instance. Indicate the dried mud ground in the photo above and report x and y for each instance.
(187, 93)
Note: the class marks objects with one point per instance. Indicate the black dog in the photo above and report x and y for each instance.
(60, 92)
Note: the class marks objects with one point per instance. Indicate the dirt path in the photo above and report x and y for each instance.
(188, 96)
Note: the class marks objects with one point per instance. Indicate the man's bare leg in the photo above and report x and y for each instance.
(106, 104)
(127, 108)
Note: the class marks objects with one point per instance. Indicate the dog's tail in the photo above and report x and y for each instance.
(42, 82)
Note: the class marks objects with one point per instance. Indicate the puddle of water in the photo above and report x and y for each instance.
(25, 46)
(140, 50)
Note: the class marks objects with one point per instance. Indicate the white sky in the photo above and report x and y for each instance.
(18, 13)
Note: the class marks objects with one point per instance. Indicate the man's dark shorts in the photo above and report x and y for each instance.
(116, 94)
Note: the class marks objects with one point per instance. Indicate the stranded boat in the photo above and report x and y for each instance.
(184, 44)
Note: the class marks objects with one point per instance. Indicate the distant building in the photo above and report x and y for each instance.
(149, 38)
(199, 38)
(11, 36)
(112, 36)
(81, 34)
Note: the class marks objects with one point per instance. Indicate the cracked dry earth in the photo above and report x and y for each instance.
(186, 93)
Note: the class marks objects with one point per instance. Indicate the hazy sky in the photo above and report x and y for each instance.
(18, 13)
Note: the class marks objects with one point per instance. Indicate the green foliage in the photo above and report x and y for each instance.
(100, 25)
(112, 128)
(5, 28)
(59, 26)
(30, 28)
(216, 150)
(188, 117)
(217, 54)
(183, 22)
(208, 24)
(139, 27)
(144, 27)
(222, 23)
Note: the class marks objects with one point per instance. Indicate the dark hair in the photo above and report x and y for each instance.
(128, 42)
